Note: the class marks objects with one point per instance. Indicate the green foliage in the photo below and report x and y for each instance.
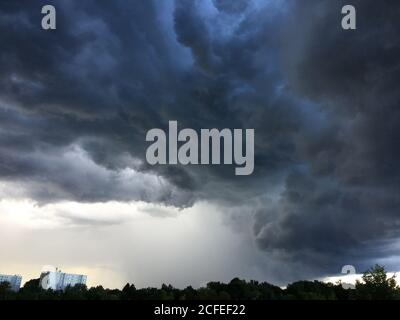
(311, 290)
(5, 291)
(375, 284)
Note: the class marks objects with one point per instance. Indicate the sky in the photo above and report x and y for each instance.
(76, 103)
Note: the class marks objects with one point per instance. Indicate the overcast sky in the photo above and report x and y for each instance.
(76, 103)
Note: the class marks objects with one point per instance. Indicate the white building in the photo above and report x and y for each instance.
(14, 281)
(57, 280)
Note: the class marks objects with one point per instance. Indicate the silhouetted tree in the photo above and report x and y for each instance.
(128, 292)
(77, 292)
(376, 285)
(5, 291)
(310, 290)
(97, 293)
(188, 294)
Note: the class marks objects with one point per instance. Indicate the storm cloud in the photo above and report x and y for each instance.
(76, 103)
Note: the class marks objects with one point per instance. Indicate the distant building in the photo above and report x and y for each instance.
(14, 281)
(57, 280)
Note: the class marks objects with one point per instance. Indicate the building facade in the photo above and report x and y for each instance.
(14, 281)
(57, 280)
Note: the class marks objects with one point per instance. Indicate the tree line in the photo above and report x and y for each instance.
(375, 285)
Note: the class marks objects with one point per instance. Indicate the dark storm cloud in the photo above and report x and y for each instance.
(77, 102)
(343, 205)
(91, 82)
(231, 6)
(110, 72)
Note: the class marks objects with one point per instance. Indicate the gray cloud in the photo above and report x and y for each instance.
(95, 84)
(342, 206)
